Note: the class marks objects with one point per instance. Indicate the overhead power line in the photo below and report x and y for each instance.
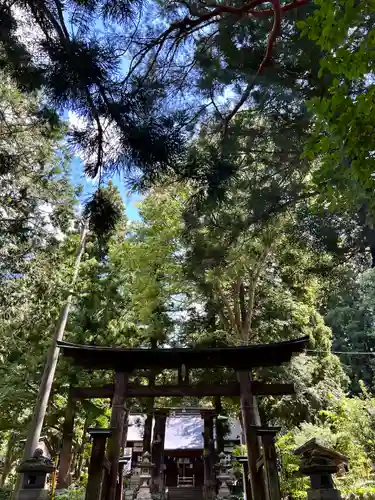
(350, 353)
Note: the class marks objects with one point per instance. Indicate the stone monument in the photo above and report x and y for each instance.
(223, 475)
(319, 463)
(35, 472)
(145, 477)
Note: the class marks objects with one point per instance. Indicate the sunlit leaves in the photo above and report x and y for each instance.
(344, 119)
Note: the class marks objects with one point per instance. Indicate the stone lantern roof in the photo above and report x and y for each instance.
(37, 463)
(314, 451)
(317, 460)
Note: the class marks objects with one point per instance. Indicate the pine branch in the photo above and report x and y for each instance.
(240, 103)
(271, 41)
(61, 18)
(48, 15)
(198, 21)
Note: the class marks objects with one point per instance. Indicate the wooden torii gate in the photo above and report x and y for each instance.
(124, 362)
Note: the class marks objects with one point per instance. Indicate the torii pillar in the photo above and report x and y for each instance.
(120, 484)
(158, 450)
(250, 422)
(96, 467)
(271, 474)
(209, 453)
(117, 426)
(64, 477)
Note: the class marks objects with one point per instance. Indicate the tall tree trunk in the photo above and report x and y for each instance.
(36, 424)
(8, 459)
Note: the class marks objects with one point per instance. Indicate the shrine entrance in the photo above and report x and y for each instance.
(106, 470)
(184, 469)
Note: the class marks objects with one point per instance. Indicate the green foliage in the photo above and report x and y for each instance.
(35, 194)
(72, 493)
(350, 314)
(104, 211)
(347, 426)
(344, 118)
(247, 247)
(291, 482)
(207, 292)
(5, 494)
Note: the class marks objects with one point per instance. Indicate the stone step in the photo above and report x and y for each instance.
(184, 493)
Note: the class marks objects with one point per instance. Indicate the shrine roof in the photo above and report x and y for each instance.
(237, 358)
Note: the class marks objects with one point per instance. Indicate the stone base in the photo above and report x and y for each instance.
(327, 494)
(31, 494)
(144, 493)
(223, 491)
(128, 494)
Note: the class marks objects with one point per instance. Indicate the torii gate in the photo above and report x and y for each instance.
(124, 362)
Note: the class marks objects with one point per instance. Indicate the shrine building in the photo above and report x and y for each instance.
(183, 445)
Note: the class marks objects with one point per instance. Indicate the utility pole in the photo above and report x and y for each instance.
(45, 387)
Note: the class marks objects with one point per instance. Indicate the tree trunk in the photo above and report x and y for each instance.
(45, 387)
(36, 425)
(8, 459)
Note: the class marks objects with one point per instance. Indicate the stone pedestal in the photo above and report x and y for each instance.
(319, 463)
(34, 477)
(324, 494)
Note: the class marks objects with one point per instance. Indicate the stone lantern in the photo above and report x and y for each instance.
(34, 475)
(145, 476)
(223, 475)
(319, 463)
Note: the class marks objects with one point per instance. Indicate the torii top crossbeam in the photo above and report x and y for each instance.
(238, 358)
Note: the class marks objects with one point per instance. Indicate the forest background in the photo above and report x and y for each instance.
(246, 130)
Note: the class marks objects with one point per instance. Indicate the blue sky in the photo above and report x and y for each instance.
(89, 186)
